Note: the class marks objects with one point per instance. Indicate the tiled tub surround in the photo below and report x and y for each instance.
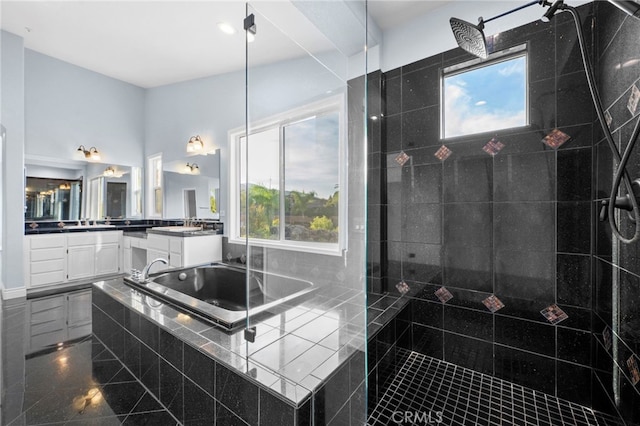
(519, 223)
(308, 360)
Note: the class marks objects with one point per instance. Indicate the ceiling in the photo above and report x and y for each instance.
(153, 43)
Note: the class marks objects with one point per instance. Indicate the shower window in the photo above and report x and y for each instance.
(483, 96)
(294, 180)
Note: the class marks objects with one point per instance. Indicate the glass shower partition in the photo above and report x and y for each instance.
(302, 208)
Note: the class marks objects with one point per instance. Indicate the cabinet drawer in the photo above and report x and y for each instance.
(56, 265)
(83, 239)
(47, 278)
(46, 241)
(107, 237)
(47, 254)
(46, 304)
(158, 243)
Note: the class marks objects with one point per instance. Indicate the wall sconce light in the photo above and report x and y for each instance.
(109, 171)
(192, 169)
(65, 186)
(195, 144)
(91, 154)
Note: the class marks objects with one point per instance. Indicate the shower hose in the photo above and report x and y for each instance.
(622, 160)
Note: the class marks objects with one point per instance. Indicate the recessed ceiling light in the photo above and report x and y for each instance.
(226, 28)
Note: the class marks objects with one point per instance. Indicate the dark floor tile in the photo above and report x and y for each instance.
(151, 419)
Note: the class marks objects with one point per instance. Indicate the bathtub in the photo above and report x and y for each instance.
(218, 292)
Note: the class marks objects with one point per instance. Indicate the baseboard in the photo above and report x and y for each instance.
(13, 293)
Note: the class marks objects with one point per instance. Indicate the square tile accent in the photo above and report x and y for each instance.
(443, 294)
(402, 287)
(443, 153)
(606, 336)
(608, 118)
(402, 158)
(632, 105)
(556, 138)
(632, 365)
(493, 303)
(493, 147)
(554, 314)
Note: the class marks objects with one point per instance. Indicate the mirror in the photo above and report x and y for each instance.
(192, 191)
(53, 192)
(52, 199)
(78, 190)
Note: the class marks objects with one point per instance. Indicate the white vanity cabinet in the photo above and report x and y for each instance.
(183, 251)
(58, 318)
(60, 258)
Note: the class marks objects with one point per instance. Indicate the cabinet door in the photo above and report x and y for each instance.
(79, 314)
(81, 262)
(107, 259)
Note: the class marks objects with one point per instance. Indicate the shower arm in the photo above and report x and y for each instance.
(509, 12)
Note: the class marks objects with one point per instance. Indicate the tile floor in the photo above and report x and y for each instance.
(81, 383)
(430, 391)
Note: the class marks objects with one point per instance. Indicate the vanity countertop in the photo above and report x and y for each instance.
(129, 227)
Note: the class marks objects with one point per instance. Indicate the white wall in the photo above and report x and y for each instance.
(12, 118)
(68, 106)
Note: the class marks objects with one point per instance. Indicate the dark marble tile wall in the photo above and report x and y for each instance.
(516, 225)
(384, 360)
(616, 266)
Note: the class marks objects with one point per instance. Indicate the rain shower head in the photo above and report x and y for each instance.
(470, 37)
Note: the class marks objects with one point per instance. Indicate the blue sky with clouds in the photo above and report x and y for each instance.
(487, 98)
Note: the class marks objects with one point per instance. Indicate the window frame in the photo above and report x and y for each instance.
(335, 103)
(154, 187)
(473, 64)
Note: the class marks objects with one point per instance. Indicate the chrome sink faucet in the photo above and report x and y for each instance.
(144, 276)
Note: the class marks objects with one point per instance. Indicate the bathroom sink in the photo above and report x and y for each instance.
(98, 226)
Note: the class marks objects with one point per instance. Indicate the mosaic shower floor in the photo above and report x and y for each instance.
(428, 391)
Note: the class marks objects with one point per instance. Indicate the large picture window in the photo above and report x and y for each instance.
(292, 195)
(485, 96)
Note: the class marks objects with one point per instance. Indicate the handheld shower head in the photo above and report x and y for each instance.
(470, 37)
